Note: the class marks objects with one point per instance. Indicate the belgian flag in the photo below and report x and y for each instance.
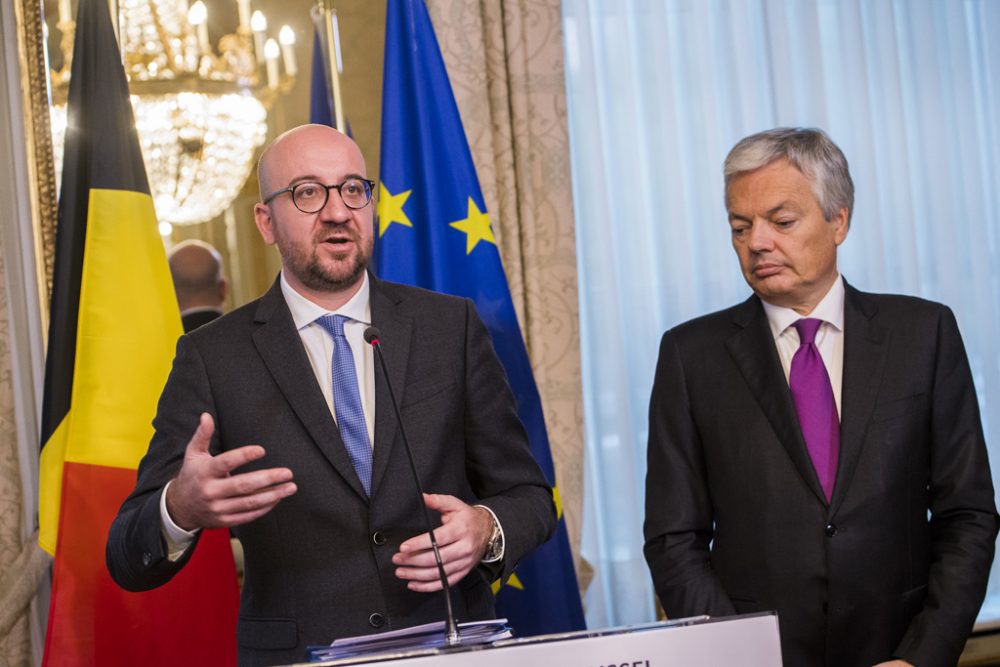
(114, 323)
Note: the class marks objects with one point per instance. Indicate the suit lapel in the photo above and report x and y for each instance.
(281, 350)
(395, 330)
(756, 355)
(865, 345)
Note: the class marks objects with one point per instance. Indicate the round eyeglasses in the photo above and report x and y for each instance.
(311, 197)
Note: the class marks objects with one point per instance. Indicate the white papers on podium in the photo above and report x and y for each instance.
(429, 635)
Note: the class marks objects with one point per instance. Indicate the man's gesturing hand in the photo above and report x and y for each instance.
(462, 540)
(205, 495)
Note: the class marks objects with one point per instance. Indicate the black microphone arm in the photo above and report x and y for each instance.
(451, 637)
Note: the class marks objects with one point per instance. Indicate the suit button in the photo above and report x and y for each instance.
(147, 558)
(376, 620)
(378, 537)
(831, 530)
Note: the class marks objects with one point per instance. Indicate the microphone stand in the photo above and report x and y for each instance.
(451, 637)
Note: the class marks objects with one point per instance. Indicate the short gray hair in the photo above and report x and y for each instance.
(810, 151)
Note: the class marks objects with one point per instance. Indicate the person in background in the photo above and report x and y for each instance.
(201, 287)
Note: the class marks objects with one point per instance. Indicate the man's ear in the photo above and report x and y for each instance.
(841, 225)
(265, 223)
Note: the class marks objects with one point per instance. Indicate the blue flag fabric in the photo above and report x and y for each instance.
(320, 109)
(320, 98)
(434, 232)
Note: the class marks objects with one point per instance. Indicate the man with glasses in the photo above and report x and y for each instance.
(296, 446)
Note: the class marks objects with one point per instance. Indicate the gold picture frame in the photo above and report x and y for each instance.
(38, 135)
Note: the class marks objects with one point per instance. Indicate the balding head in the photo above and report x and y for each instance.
(196, 269)
(281, 160)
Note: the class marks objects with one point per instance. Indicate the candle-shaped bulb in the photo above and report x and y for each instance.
(198, 13)
(258, 22)
(287, 38)
(198, 17)
(271, 53)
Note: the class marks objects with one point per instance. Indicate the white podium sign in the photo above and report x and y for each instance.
(736, 641)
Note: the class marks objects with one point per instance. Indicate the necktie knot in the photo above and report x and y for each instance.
(807, 328)
(333, 324)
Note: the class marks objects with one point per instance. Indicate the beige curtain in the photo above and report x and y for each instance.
(15, 577)
(505, 61)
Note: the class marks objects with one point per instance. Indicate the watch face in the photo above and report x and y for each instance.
(494, 546)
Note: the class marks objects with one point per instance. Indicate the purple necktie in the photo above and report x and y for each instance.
(813, 396)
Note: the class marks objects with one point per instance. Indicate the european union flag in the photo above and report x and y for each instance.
(434, 232)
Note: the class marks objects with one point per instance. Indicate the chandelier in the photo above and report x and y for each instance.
(200, 112)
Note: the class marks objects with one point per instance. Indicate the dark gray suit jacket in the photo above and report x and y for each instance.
(319, 565)
(736, 520)
(192, 320)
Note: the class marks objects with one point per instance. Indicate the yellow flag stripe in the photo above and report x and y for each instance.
(50, 473)
(127, 328)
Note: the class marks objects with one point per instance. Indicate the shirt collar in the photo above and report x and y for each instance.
(305, 312)
(830, 309)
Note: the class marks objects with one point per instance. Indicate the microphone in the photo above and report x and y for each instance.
(451, 637)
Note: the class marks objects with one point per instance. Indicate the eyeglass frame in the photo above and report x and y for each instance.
(291, 191)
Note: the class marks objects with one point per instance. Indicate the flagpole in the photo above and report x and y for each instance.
(330, 36)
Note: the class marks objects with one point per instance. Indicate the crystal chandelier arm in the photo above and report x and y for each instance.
(165, 37)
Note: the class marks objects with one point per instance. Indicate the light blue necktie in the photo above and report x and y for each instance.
(347, 401)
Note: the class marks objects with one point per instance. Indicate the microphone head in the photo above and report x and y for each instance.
(373, 336)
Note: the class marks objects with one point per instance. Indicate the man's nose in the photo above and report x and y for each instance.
(760, 236)
(335, 210)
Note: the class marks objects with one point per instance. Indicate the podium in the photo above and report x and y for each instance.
(749, 640)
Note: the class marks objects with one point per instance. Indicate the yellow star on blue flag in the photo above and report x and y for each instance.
(476, 226)
(390, 209)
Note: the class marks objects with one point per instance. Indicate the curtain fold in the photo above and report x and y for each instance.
(505, 61)
(15, 642)
(659, 92)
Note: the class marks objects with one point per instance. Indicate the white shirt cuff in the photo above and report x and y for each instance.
(178, 540)
(503, 543)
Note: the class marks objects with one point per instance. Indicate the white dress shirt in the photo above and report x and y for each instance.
(829, 337)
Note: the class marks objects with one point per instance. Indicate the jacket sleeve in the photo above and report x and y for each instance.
(501, 469)
(136, 553)
(963, 519)
(678, 527)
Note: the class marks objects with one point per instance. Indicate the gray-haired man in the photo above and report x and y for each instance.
(817, 450)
